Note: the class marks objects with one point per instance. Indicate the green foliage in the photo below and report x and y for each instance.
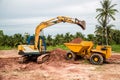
(1, 33)
(9, 42)
(60, 38)
(79, 34)
(90, 37)
(106, 14)
(116, 36)
(106, 11)
(57, 46)
(49, 40)
(5, 47)
(116, 48)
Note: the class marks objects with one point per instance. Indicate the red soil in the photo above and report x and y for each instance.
(76, 40)
(114, 59)
(55, 67)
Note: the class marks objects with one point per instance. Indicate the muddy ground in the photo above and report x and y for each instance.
(57, 68)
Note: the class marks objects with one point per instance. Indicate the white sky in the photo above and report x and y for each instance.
(20, 16)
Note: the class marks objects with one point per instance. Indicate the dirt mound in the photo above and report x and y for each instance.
(114, 59)
(57, 57)
(76, 40)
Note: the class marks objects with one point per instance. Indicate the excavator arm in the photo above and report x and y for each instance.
(54, 21)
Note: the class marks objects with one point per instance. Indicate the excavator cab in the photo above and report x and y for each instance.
(30, 40)
(41, 40)
(39, 56)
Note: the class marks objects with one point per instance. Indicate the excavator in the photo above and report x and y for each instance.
(37, 51)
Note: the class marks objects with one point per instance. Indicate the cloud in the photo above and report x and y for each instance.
(35, 8)
(29, 13)
(38, 8)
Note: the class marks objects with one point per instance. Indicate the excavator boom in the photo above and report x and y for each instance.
(54, 21)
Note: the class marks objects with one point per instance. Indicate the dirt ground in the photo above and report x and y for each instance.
(57, 68)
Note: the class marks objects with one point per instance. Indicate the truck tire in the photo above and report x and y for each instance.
(96, 59)
(70, 56)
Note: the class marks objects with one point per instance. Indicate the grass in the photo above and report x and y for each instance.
(116, 48)
(5, 48)
(57, 46)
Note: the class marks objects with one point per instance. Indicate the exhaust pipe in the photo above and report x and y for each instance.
(81, 23)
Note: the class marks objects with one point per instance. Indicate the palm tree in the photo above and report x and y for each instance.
(56, 40)
(116, 36)
(106, 13)
(61, 37)
(109, 33)
(26, 36)
(49, 40)
(1, 37)
(67, 37)
(99, 33)
(90, 37)
(1, 33)
(18, 39)
(79, 35)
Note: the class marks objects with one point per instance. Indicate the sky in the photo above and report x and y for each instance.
(20, 16)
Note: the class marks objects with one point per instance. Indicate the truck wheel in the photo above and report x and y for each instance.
(96, 59)
(70, 56)
(44, 57)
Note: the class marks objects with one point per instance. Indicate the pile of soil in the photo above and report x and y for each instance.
(114, 59)
(57, 57)
(76, 40)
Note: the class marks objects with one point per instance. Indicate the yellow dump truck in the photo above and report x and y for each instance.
(85, 49)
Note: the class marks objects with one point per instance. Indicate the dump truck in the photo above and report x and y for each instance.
(85, 49)
(37, 50)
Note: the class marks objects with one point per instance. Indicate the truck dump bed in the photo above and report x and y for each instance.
(79, 47)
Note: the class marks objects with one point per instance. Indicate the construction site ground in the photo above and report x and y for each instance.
(57, 68)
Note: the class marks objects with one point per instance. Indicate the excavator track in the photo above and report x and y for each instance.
(22, 59)
(44, 57)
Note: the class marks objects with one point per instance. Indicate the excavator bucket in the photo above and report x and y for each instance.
(82, 24)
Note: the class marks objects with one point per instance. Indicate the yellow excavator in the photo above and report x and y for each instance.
(37, 50)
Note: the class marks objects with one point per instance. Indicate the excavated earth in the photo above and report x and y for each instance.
(76, 40)
(57, 67)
